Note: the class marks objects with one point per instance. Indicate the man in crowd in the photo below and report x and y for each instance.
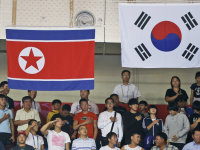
(112, 141)
(7, 135)
(24, 115)
(83, 142)
(161, 143)
(176, 127)
(56, 103)
(92, 107)
(110, 121)
(89, 119)
(126, 90)
(194, 145)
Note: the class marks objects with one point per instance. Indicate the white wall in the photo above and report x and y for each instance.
(151, 82)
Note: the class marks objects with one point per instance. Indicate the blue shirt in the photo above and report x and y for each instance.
(191, 146)
(5, 125)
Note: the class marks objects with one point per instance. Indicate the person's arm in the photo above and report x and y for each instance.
(170, 99)
(42, 147)
(186, 127)
(6, 116)
(194, 125)
(191, 97)
(37, 116)
(21, 122)
(166, 128)
(95, 129)
(66, 146)
(12, 127)
(76, 125)
(95, 109)
(123, 148)
(45, 127)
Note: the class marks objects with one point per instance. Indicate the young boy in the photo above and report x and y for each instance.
(143, 107)
(195, 89)
(56, 138)
(182, 105)
(112, 141)
(135, 140)
(56, 108)
(6, 123)
(152, 126)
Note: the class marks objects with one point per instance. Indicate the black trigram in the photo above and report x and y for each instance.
(190, 51)
(142, 20)
(143, 52)
(189, 21)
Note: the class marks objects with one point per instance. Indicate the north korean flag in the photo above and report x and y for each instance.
(50, 60)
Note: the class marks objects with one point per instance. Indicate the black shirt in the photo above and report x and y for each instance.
(170, 93)
(196, 90)
(10, 103)
(68, 125)
(27, 147)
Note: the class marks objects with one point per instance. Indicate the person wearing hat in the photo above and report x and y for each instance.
(133, 121)
(21, 139)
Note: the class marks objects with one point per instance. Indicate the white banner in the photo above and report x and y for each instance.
(160, 35)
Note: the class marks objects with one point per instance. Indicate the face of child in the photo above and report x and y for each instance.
(21, 139)
(134, 107)
(142, 107)
(57, 106)
(59, 122)
(3, 102)
(153, 111)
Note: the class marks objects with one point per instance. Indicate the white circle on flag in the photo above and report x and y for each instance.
(31, 60)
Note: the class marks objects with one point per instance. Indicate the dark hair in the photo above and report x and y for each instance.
(66, 107)
(132, 101)
(86, 90)
(56, 101)
(195, 129)
(172, 107)
(31, 121)
(109, 98)
(30, 91)
(134, 133)
(176, 77)
(26, 98)
(3, 83)
(143, 102)
(162, 135)
(196, 105)
(54, 118)
(114, 95)
(182, 98)
(153, 106)
(197, 74)
(2, 96)
(83, 100)
(110, 134)
(125, 71)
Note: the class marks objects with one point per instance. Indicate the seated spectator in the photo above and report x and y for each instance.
(7, 135)
(143, 107)
(89, 119)
(182, 105)
(133, 119)
(68, 120)
(92, 107)
(35, 105)
(175, 91)
(161, 143)
(21, 139)
(33, 139)
(110, 121)
(57, 139)
(152, 126)
(195, 89)
(194, 120)
(135, 140)
(24, 115)
(56, 109)
(126, 90)
(5, 91)
(83, 142)
(112, 141)
(194, 145)
(176, 127)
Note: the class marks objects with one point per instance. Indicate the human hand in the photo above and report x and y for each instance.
(88, 121)
(138, 118)
(6, 116)
(174, 138)
(12, 138)
(113, 119)
(155, 121)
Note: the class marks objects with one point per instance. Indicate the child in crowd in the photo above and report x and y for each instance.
(56, 108)
(143, 107)
(112, 141)
(195, 89)
(152, 126)
(182, 106)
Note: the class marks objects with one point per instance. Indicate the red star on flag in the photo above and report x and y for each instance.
(31, 60)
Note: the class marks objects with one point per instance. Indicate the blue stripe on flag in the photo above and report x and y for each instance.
(50, 34)
(51, 85)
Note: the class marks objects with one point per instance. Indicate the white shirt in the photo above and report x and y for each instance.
(126, 92)
(108, 148)
(105, 124)
(23, 115)
(92, 107)
(35, 141)
(126, 147)
(35, 105)
(87, 144)
(57, 141)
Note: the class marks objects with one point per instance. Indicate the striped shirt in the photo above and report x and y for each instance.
(87, 144)
(168, 147)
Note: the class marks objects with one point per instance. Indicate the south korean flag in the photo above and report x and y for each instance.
(160, 35)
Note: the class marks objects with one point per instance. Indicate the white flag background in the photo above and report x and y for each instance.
(136, 24)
